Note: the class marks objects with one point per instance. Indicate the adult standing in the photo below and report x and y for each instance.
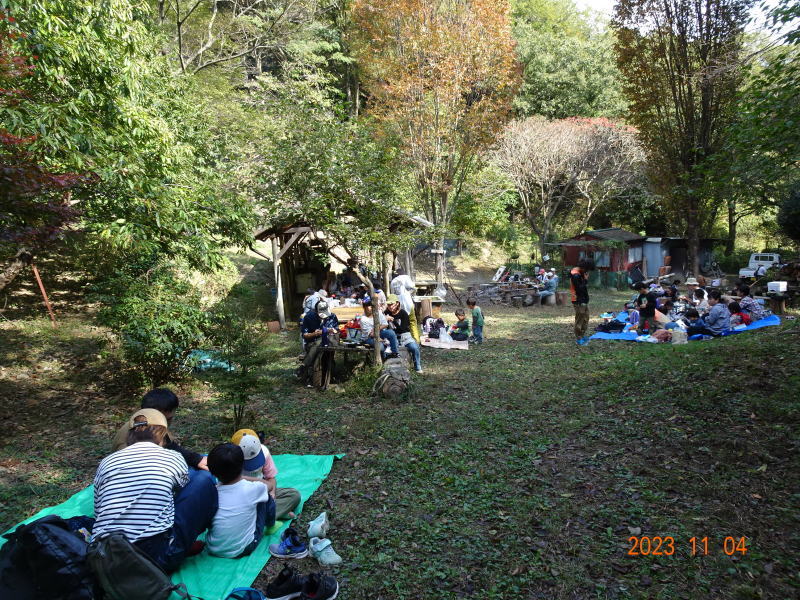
(404, 287)
(579, 289)
(145, 492)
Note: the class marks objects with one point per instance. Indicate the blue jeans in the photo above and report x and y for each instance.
(477, 333)
(413, 348)
(386, 334)
(195, 506)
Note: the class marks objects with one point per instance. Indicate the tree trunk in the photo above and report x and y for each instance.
(730, 243)
(693, 247)
(21, 260)
(440, 262)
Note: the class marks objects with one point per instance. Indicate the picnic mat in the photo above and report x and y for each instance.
(632, 335)
(207, 576)
(451, 345)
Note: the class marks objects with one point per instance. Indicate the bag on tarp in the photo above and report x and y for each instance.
(126, 573)
(46, 558)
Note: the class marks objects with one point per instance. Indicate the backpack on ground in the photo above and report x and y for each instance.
(246, 593)
(47, 559)
(126, 573)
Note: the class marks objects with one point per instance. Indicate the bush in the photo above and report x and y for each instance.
(158, 317)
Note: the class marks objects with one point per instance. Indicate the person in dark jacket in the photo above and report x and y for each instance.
(578, 278)
(166, 402)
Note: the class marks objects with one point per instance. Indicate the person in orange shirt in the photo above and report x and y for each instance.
(578, 278)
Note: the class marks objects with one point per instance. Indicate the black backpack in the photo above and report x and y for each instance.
(126, 573)
(47, 559)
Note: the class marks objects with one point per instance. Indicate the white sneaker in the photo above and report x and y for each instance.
(323, 551)
(318, 528)
(419, 371)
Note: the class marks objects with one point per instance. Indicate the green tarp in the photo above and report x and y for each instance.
(213, 578)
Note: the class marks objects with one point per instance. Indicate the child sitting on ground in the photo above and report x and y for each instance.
(477, 320)
(459, 330)
(258, 465)
(245, 505)
(737, 316)
(695, 323)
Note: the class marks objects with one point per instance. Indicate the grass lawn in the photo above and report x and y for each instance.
(519, 469)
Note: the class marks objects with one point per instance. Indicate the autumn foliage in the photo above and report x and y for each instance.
(441, 75)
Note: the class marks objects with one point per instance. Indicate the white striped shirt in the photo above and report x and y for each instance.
(133, 490)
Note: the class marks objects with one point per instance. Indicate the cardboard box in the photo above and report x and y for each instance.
(776, 286)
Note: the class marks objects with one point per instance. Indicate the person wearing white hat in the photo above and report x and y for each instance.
(259, 465)
(692, 295)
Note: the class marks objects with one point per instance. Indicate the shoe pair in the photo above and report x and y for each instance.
(582, 341)
(290, 584)
(321, 547)
(291, 546)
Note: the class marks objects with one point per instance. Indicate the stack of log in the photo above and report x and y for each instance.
(510, 294)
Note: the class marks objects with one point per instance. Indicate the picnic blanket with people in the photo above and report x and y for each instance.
(212, 522)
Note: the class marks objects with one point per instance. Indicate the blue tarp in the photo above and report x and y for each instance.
(631, 335)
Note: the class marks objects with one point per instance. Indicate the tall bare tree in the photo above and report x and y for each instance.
(565, 170)
(680, 62)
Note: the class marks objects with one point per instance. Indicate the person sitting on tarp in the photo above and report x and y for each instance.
(738, 317)
(401, 324)
(166, 402)
(749, 304)
(148, 494)
(694, 322)
(259, 465)
(320, 326)
(550, 285)
(368, 330)
(646, 303)
(701, 300)
(459, 330)
(718, 319)
(691, 286)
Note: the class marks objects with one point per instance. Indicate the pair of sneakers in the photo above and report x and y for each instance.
(290, 584)
(320, 546)
(291, 546)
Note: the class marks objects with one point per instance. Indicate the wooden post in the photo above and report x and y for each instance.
(44, 293)
(276, 265)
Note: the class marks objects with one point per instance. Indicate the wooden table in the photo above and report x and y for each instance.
(326, 360)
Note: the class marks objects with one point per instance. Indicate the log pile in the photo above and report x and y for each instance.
(507, 294)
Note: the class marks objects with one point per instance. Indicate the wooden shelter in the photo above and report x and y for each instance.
(300, 260)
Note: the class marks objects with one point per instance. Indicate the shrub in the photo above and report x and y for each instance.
(158, 317)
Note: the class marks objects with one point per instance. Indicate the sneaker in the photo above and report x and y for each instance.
(419, 371)
(582, 342)
(287, 585)
(290, 546)
(323, 551)
(196, 548)
(319, 526)
(319, 586)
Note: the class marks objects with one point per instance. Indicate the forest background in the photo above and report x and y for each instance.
(141, 139)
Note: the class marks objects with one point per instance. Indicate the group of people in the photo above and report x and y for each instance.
(698, 310)
(161, 496)
(397, 324)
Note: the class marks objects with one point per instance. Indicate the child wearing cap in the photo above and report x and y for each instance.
(245, 505)
(258, 465)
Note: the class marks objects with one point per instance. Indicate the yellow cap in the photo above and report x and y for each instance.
(237, 437)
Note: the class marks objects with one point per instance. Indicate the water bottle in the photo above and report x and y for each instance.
(324, 337)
